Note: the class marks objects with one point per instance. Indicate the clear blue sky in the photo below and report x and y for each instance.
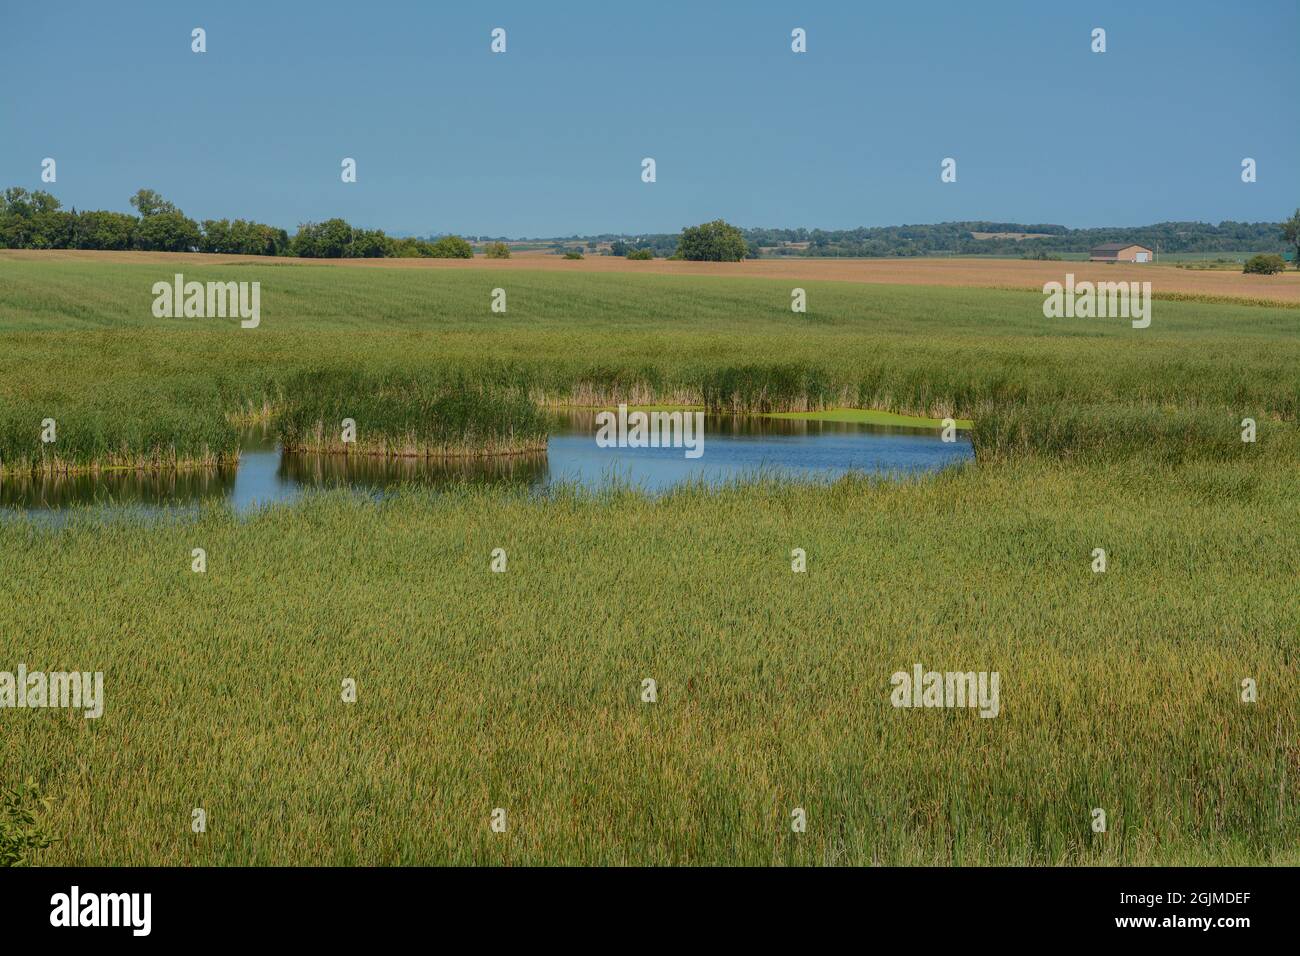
(548, 138)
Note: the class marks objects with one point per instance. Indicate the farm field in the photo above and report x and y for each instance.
(1168, 281)
(1120, 690)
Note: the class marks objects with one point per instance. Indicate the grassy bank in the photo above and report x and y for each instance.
(522, 689)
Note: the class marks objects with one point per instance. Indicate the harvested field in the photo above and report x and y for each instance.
(1166, 281)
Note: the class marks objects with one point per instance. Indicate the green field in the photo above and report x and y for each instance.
(82, 347)
(476, 690)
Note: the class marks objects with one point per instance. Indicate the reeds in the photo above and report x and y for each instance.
(132, 390)
(407, 416)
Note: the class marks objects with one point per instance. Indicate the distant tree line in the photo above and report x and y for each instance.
(716, 241)
(36, 220)
(958, 238)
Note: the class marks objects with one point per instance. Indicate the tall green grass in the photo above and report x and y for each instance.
(521, 689)
(80, 340)
(115, 424)
(1150, 433)
(407, 416)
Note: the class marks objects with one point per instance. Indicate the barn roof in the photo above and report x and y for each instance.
(1116, 246)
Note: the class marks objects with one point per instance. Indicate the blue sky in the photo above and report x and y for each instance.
(547, 139)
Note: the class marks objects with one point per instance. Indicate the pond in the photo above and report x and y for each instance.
(733, 447)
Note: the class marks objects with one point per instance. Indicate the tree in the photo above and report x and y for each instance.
(408, 248)
(51, 227)
(167, 232)
(216, 236)
(322, 240)
(34, 221)
(104, 230)
(452, 247)
(1265, 264)
(367, 244)
(1291, 233)
(716, 241)
(497, 250)
(148, 203)
(17, 202)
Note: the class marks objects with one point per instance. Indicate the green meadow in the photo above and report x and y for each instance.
(1120, 691)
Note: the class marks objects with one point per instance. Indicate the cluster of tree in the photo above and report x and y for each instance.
(36, 220)
(716, 241)
(242, 237)
(1264, 264)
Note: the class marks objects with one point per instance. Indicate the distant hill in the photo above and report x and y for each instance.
(957, 238)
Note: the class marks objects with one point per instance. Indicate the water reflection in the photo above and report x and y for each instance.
(334, 471)
(733, 447)
(115, 488)
(736, 446)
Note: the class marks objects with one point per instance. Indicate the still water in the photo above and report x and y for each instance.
(734, 447)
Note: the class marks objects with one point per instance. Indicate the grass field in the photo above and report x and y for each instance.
(476, 690)
(83, 348)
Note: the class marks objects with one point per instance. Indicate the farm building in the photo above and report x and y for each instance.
(1119, 252)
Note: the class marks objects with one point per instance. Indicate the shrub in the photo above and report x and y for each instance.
(23, 828)
(641, 254)
(451, 247)
(573, 254)
(1265, 264)
(716, 241)
(497, 250)
(409, 248)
